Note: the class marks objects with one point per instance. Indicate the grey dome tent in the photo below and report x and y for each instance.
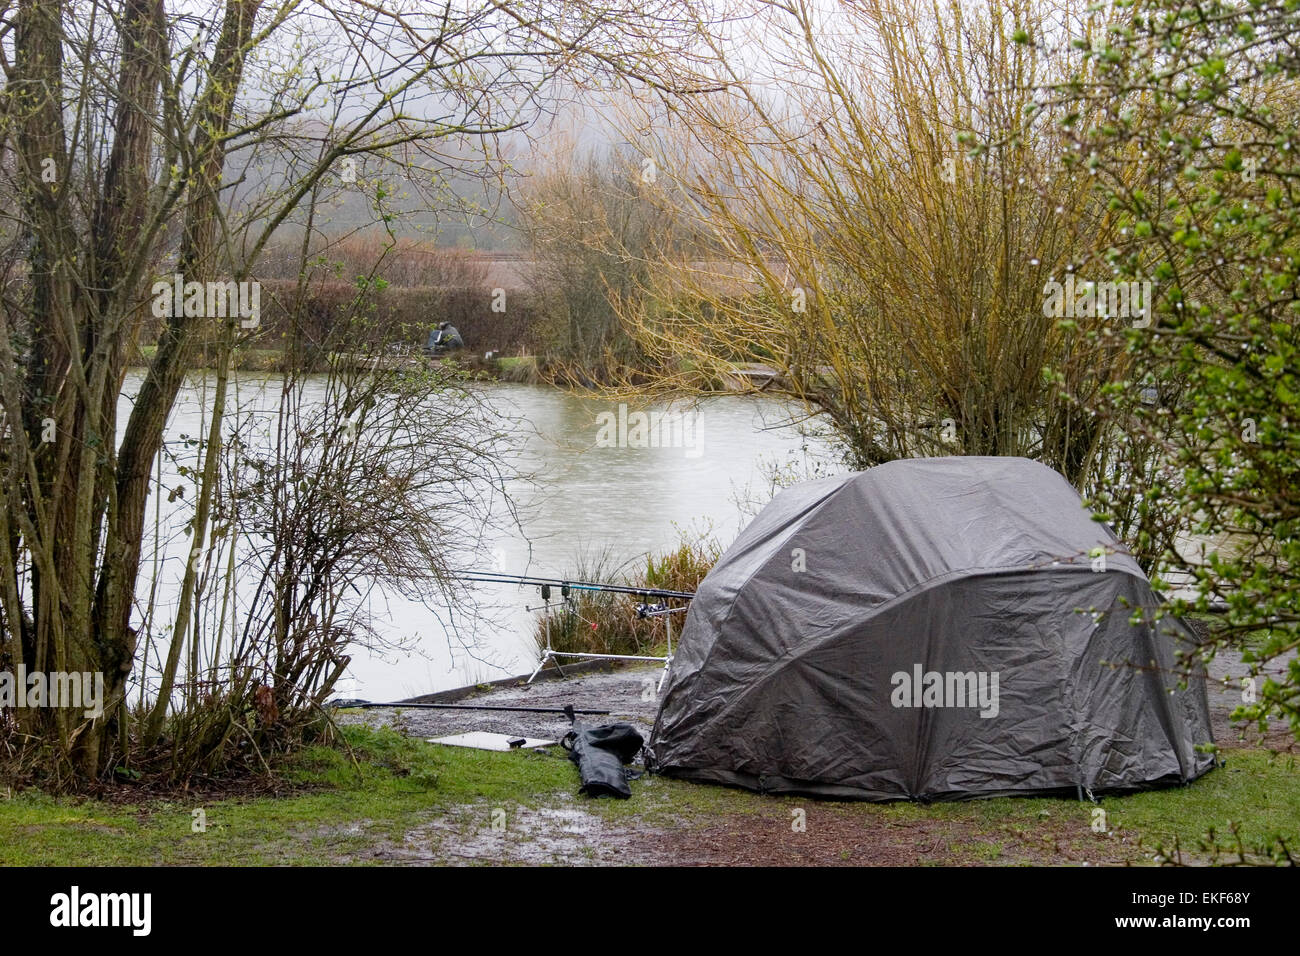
(931, 629)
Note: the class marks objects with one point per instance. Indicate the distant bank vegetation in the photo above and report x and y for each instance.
(524, 316)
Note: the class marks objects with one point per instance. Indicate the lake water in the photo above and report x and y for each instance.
(590, 493)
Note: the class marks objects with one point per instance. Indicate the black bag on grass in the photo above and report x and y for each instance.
(600, 753)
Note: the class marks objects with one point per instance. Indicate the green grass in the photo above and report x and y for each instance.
(399, 783)
(519, 368)
(403, 784)
(1256, 790)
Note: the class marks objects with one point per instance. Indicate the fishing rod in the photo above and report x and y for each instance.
(493, 577)
(644, 610)
(422, 706)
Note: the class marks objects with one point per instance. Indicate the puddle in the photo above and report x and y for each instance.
(525, 836)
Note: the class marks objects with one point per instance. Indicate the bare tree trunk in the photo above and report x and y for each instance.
(112, 140)
(144, 430)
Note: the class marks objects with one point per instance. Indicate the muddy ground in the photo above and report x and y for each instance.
(571, 834)
(627, 693)
(567, 832)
